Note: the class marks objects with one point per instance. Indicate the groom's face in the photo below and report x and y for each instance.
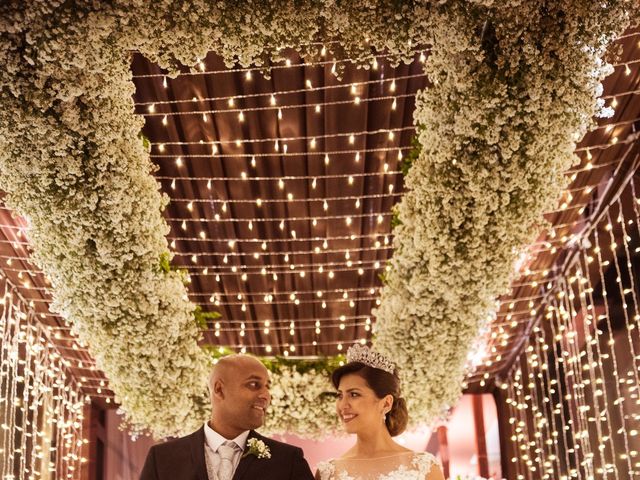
(246, 394)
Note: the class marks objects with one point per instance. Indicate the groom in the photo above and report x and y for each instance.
(227, 447)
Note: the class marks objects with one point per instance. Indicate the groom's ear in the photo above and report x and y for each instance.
(218, 389)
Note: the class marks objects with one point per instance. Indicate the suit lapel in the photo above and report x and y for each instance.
(197, 453)
(247, 461)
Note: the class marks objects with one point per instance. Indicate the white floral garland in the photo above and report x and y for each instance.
(71, 163)
(299, 404)
(513, 89)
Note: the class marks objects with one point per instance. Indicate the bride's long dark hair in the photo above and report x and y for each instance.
(383, 384)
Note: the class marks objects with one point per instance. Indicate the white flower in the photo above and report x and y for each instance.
(257, 448)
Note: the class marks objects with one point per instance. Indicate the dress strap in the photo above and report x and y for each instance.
(326, 470)
(424, 461)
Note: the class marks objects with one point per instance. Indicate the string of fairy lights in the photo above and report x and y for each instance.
(41, 404)
(572, 394)
(226, 242)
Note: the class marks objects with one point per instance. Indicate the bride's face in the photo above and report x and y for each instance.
(358, 407)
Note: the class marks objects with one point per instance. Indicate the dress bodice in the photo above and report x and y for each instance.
(403, 466)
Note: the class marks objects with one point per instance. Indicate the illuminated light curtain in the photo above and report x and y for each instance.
(572, 395)
(41, 411)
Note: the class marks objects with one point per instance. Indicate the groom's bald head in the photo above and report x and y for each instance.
(231, 366)
(239, 388)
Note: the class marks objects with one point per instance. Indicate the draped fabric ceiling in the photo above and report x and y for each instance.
(281, 191)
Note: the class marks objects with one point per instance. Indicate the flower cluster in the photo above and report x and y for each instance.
(257, 448)
(512, 87)
(301, 403)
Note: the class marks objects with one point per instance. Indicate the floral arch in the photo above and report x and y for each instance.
(514, 87)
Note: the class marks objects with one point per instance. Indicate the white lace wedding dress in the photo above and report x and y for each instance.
(403, 466)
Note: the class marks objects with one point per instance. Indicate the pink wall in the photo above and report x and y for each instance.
(462, 437)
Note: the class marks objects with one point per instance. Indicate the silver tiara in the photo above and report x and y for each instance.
(362, 354)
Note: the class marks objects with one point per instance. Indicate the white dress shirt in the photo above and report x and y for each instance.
(212, 441)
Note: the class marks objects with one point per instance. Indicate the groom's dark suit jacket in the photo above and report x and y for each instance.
(183, 459)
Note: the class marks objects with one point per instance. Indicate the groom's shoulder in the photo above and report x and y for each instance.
(180, 442)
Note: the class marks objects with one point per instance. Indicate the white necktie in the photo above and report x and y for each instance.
(226, 451)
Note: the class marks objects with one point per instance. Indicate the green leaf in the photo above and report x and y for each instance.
(201, 317)
(146, 143)
(165, 264)
(322, 365)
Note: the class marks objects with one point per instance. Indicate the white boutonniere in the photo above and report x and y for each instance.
(258, 448)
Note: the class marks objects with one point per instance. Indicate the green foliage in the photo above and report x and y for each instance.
(395, 218)
(202, 317)
(164, 265)
(216, 352)
(322, 365)
(146, 143)
(414, 153)
(384, 276)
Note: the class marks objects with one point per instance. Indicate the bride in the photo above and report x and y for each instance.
(369, 404)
